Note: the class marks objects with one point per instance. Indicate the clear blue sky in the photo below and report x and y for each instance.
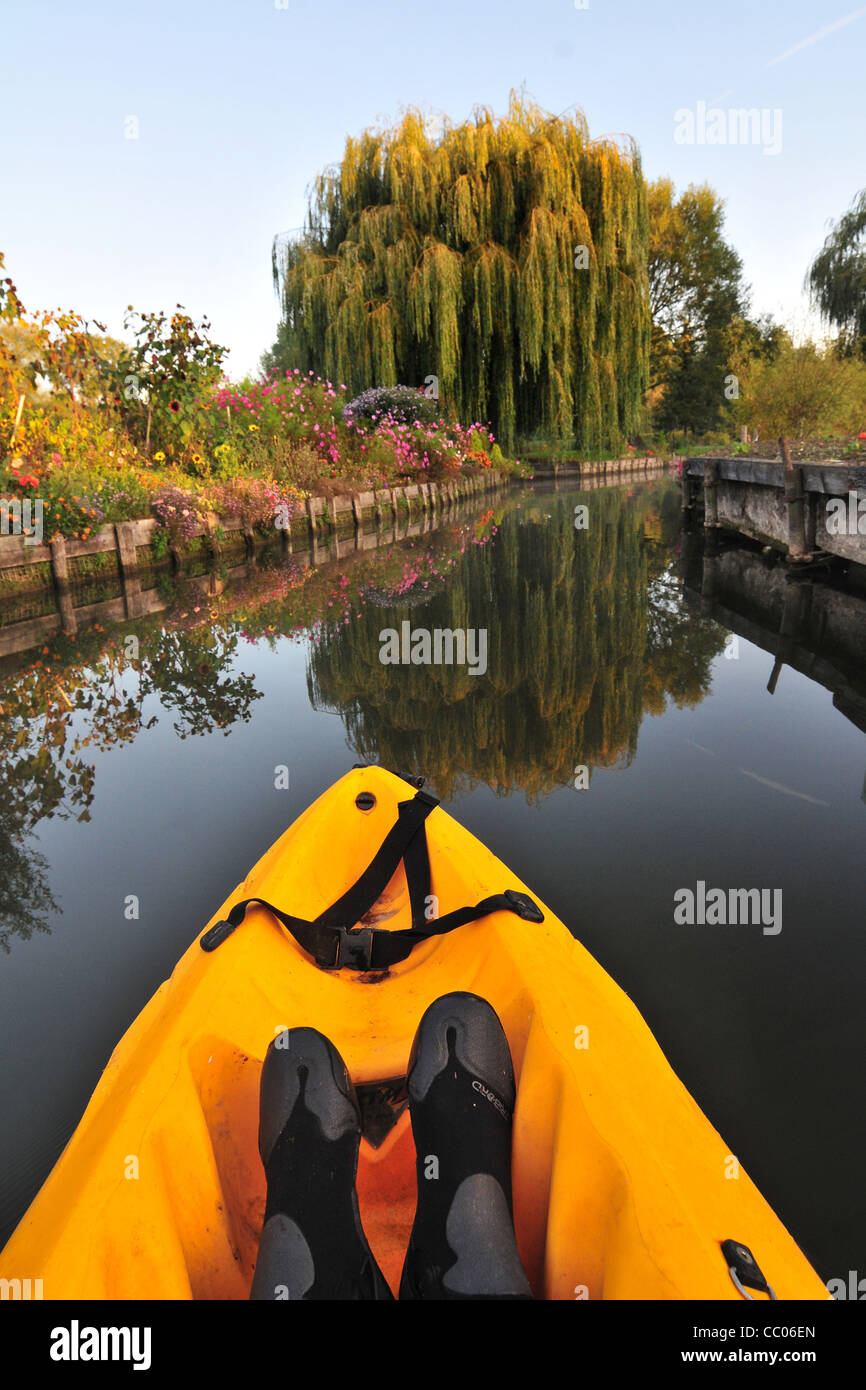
(241, 102)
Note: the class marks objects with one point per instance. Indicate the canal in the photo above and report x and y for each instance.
(620, 746)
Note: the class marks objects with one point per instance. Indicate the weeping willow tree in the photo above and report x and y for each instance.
(506, 257)
(837, 277)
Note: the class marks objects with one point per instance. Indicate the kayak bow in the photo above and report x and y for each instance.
(622, 1188)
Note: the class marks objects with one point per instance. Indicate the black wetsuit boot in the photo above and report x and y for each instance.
(313, 1245)
(461, 1098)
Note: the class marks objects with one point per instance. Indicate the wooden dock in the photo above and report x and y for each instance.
(805, 510)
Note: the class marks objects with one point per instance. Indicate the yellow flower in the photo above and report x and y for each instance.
(252, 427)
(159, 457)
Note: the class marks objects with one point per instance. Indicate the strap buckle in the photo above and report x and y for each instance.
(354, 949)
(216, 935)
(522, 904)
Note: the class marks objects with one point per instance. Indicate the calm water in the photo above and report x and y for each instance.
(147, 768)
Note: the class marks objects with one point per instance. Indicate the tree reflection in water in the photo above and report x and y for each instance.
(586, 632)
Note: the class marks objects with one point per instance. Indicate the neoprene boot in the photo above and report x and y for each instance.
(313, 1245)
(461, 1098)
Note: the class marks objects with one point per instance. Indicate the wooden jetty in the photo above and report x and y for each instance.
(805, 510)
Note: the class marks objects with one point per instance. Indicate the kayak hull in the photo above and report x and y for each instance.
(622, 1188)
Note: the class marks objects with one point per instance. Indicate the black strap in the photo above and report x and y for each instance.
(334, 945)
(382, 867)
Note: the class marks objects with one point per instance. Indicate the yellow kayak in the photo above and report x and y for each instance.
(622, 1188)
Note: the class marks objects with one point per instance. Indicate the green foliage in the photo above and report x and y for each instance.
(123, 427)
(11, 307)
(158, 382)
(696, 293)
(160, 542)
(837, 278)
(505, 257)
(808, 392)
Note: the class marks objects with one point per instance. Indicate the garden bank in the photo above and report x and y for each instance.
(125, 549)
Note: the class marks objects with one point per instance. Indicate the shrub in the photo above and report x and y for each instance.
(302, 466)
(157, 383)
(807, 392)
(253, 502)
(177, 513)
(160, 543)
(405, 404)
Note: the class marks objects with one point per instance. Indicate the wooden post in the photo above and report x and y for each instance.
(126, 548)
(795, 505)
(711, 492)
(124, 534)
(60, 571)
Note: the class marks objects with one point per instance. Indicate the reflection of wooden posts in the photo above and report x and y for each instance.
(690, 492)
(318, 552)
(709, 581)
(796, 613)
(795, 506)
(691, 556)
(711, 492)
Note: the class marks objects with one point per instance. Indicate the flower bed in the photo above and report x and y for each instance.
(100, 431)
(259, 451)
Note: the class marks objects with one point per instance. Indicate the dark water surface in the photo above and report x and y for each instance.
(150, 771)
